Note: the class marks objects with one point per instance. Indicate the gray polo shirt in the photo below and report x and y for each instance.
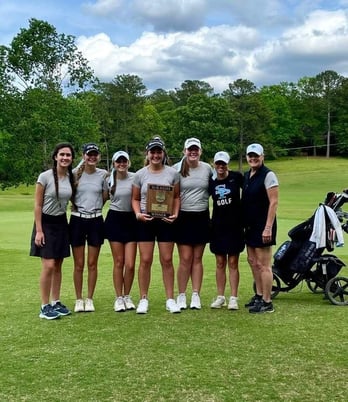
(167, 177)
(194, 188)
(121, 200)
(89, 192)
(52, 205)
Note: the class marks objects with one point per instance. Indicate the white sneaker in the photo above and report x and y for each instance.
(89, 306)
(219, 302)
(79, 306)
(143, 306)
(119, 305)
(181, 301)
(232, 304)
(129, 303)
(172, 307)
(195, 301)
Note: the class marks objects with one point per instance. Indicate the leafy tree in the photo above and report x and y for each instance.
(251, 117)
(284, 125)
(328, 84)
(340, 123)
(204, 117)
(188, 88)
(39, 57)
(46, 118)
(310, 112)
(117, 108)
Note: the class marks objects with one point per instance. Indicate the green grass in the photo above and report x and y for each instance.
(299, 353)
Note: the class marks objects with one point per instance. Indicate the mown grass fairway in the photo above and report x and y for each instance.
(299, 353)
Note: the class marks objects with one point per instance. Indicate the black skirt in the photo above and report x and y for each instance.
(192, 228)
(56, 231)
(121, 226)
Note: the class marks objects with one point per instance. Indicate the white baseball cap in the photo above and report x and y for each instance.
(118, 154)
(192, 142)
(222, 156)
(255, 148)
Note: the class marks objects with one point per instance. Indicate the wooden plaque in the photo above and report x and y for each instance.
(160, 199)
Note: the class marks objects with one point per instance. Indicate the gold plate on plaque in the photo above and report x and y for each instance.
(160, 199)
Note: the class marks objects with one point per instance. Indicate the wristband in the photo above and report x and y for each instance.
(138, 215)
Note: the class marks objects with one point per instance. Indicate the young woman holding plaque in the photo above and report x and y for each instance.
(194, 213)
(155, 218)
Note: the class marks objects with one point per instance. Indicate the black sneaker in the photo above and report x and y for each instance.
(262, 307)
(252, 301)
(256, 307)
(60, 309)
(48, 313)
(267, 307)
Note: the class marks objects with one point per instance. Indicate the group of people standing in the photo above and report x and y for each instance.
(243, 213)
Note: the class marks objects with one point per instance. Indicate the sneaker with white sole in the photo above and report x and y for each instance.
(128, 302)
(48, 312)
(181, 301)
(61, 309)
(219, 302)
(262, 307)
(233, 303)
(79, 306)
(195, 302)
(119, 305)
(172, 307)
(143, 306)
(89, 306)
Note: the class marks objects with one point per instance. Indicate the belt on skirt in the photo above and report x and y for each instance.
(87, 216)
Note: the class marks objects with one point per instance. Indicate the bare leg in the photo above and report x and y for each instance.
(79, 262)
(233, 274)
(185, 264)
(166, 259)
(92, 263)
(220, 274)
(197, 267)
(144, 275)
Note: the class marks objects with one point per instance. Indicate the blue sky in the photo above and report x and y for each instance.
(166, 42)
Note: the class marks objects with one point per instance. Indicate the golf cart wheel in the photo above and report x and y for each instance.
(336, 290)
(314, 286)
(275, 286)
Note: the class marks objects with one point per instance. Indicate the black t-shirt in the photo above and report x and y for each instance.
(226, 200)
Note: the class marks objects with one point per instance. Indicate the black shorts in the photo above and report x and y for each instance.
(225, 241)
(192, 228)
(157, 229)
(121, 226)
(84, 230)
(56, 233)
(253, 235)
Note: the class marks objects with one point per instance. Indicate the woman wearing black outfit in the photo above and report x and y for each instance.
(260, 201)
(227, 231)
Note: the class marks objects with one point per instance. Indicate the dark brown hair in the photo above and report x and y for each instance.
(57, 148)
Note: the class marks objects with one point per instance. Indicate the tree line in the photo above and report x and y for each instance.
(49, 94)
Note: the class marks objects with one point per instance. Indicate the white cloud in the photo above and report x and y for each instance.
(178, 56)
(315, 46)
(165, 42)
(104, 7)
(171, 15)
